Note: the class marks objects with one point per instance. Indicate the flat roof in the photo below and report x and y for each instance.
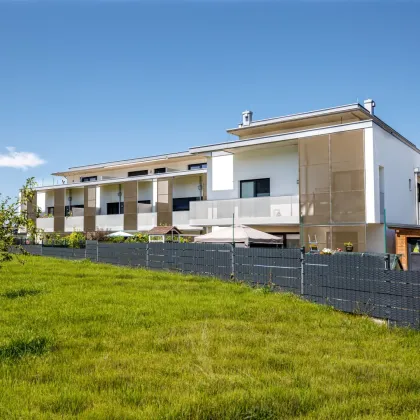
(301, 116)
(107, 165)
(290, 125)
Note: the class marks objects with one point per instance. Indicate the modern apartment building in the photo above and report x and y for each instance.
(329, 176)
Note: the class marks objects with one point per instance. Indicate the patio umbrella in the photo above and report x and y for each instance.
(119, 234)
(239, 234)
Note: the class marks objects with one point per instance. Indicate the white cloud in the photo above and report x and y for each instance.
(19, 160)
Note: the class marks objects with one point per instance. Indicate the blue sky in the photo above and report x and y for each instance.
(87, 82)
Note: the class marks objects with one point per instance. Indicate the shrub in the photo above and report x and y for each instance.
(139, 238)
(76, 240)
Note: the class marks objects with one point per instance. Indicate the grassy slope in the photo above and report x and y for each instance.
(107, 342)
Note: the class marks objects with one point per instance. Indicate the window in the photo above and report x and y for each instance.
(88, 178)
(160, 170)
(182, 204)
(67, 208)
(112, 208)
(197, 166)
(144, 202)
(255, 188)
(138, 173)
(50, 210)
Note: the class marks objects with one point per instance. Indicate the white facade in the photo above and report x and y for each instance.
(279, 163)
(264, 149)
(383, 150)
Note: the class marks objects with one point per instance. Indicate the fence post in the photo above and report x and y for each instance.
(302, 269)
(232, 255)
(387, 259)
(97, 251)
(147, 255)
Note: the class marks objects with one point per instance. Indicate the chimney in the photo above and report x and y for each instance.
(369, 104)
(246, 118)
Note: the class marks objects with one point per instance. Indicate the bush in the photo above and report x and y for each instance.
(139, 238)
(76, 240)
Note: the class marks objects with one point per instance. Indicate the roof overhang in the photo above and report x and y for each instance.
(171, 157)
(328, 116)
(278, 138)
(125, 179)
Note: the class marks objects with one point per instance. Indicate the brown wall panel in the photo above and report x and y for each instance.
(59, 203)
(90, 209)
(164, 202)
(130, 205)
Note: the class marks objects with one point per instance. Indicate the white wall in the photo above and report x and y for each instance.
(40, 201)
(49, 199)
(280, 164)
(145, 191)
(399, 162)
(109, 194)
(186, 186)
(77, 195)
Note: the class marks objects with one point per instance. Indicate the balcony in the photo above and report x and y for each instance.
(181, 219)
(146, 221)
(45, 223)
(114, 222)
(74, 223)
(282, 210)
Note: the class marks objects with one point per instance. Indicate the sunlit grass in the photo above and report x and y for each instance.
(81, 340)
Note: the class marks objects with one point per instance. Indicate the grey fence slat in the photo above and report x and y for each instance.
(354, 283)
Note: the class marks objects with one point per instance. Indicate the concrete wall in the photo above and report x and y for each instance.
(109, 194)
(77, 195)
(186, 186)
(280, 164)
(399, 161)
(145, 191)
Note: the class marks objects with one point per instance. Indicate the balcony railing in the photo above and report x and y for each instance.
(146, 221)
(45, 223)
(74, 223)
(181, 219)
(248, 211)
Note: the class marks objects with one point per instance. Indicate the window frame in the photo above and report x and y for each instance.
(160, 170)
(88, 178)
(175, 205)
(137, 173)
(255, 193)
(115, 203)
(194, 166)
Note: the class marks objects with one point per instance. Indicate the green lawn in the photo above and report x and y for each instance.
(95, 341)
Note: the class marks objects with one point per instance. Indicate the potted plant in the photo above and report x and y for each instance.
(349, 246)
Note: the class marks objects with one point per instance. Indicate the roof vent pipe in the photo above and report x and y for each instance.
(246, 118)
(369, 104)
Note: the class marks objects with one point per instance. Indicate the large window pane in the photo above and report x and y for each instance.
(262, 187)
(255, 188)
(247, 189)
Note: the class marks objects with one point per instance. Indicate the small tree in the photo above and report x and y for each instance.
(17, 214)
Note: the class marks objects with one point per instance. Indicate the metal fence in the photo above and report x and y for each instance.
(354, 283)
